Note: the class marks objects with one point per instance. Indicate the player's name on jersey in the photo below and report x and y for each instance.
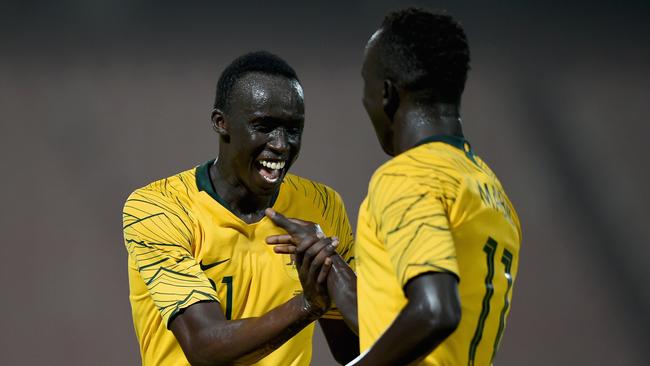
(493, 196)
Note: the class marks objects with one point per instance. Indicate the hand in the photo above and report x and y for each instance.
(312, 251)
(303, 230)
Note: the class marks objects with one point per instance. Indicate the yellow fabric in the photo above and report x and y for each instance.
(434, 208)
(186, 247)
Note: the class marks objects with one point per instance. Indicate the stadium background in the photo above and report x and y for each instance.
(98, 98)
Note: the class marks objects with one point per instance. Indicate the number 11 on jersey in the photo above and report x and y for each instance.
(490, 249)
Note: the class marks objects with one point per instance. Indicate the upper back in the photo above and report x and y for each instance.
(441, 186)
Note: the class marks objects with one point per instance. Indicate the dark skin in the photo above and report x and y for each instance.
(314, 253)
(311, 249)
(263, 121)
(401, 119)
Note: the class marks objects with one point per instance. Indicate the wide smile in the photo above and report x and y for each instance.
(270, 170)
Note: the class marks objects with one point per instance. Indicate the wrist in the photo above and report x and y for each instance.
(310, 310)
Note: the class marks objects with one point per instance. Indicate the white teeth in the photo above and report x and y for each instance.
(272, 165)
(271, 180)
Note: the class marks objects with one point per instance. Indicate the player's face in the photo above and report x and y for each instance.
(373, 96)
(265, 121)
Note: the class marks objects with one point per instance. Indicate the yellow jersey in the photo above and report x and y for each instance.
(438, 208)
(184, 246)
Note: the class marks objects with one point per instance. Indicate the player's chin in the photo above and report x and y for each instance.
(267, 182)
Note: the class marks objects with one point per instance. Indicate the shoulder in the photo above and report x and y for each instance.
(430, 169)
(310, 200)
(317, 202)
(404, 168)
(160, 212)
(176, 189)
(300, 187)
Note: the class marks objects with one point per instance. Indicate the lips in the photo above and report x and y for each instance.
(270, 170)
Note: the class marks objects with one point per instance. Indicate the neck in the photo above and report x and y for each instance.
(241, 201)
(415, 121)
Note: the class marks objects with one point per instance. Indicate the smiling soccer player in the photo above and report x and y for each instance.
(205, 288)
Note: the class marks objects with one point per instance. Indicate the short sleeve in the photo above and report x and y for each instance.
(158, 234)
(412, 224)
(336, 223)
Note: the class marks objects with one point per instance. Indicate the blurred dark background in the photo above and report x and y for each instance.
(98, 98)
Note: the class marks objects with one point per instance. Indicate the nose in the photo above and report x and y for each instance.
(278, 141)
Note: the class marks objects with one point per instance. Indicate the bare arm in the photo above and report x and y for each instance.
(207, 338)
(341, 279)
(342, 287)
(343, 343)
(312, 250)
(430, 316)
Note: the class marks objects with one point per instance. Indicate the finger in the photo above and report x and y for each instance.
(279, 239)
(306, 243)
(324, 270)
(301, 222)
(309, 254)
(281, 221)
(313, 247)
(312, 226)
(335, 241)
(320, 258)
(284, 249)
(318, 261)
(319, 232)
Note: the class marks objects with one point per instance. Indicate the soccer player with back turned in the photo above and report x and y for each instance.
(437, 245)
(205, 289)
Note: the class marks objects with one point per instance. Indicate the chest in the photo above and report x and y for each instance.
(250, 279)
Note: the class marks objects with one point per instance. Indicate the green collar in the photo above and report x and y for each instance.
(458, 142)
(204, 183)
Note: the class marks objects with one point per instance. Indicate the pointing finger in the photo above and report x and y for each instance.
(281, 221)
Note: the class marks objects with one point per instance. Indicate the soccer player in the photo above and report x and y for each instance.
(205, 288)
(437, 246)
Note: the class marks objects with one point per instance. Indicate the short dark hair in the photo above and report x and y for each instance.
(260, 61)
(425, 52)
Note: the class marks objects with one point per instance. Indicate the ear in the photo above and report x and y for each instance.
(390, 99)
(219, 124)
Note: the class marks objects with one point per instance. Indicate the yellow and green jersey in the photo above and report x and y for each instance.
(186, 246)
(438, 208)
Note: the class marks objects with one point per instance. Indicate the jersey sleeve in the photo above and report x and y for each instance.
(412, 223)
(158, 236)
(336, 223)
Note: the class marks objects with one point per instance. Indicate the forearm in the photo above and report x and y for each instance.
(244, 341)
(342, 287)
(405, 341)
(431, 314)
(343, 343)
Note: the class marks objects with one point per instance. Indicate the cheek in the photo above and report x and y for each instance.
(248, 144)
(372, 103)
(295, 143)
